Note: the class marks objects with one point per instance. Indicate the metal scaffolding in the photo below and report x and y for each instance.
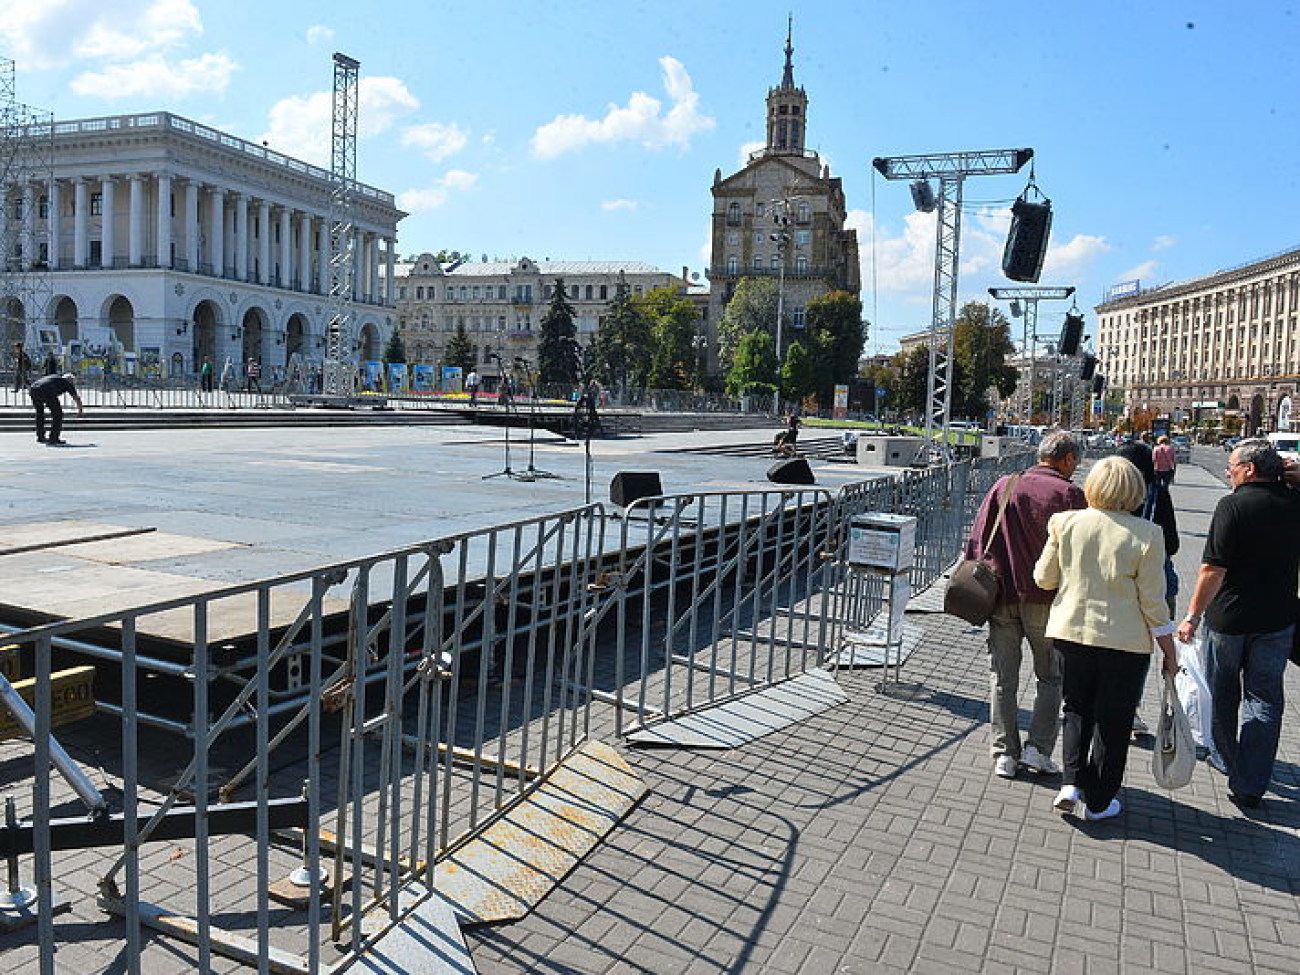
(950, 169)
(26, 177)
(338, 370)
(1027, 298)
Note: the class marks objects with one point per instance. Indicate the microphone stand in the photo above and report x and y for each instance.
(530, 379)
(504, 399)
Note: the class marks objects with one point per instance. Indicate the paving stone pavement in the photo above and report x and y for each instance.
(875, 838)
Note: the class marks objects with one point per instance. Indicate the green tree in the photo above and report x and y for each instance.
(395, 350)
(753, 365)
(672, 320)
(557, 361)
(981, 346)
(460, 350)
(912, 370)
(835, 337)
(799, 373)
(879, 377)
(623, 341)
(751, 309)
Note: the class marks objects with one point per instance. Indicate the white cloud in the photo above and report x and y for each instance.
(1163, 242)
(435, 140)
(1071, 259)
(51, 33)
(156, 76)
(746, 150)
(300, 124)
(640, 120)
(431, 198)
(318, 34)
(1146, 271)
(619, 205)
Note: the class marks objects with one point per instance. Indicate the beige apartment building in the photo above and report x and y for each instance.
(1218, 347)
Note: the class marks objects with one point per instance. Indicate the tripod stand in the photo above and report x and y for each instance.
(506, 402)
(530, 383)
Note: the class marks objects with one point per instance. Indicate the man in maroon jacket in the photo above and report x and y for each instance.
(1021, 614)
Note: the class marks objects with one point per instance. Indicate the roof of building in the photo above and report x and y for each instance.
(483, 269)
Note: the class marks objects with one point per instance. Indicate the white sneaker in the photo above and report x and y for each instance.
(1067, 800)
(1038, 763)
(1005, 767)
(1114, 809)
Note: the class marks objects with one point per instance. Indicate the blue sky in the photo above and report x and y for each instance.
(1166, 133)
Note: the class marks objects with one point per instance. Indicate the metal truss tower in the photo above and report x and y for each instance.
(950, 169)
(338, 373)
(26, 162)
(1028, 297)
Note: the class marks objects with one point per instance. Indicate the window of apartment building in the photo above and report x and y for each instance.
(588, 292)
(604, 292)
(758, 238)
(573, 292)
(733, 265)
(733, 215)
(464, 293)
(96, 253)
(401, 293)
(733, 238)
(758, 263)
(43, 208)
(776, 262)
(501, 292)
(804, 213)
(799, 317)
(424, 323)
(760, 209)
(96, 204)
(801, 264)
(501, 323)
(803, 237)
(546, 291)
(419, 294)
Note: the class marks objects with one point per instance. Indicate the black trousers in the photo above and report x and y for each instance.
(1101, 688)
(51, 403)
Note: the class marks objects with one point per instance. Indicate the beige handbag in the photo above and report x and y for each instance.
(1173, 759)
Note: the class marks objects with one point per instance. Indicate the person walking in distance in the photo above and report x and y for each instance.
(1246, 593)
(471, 386)
(253, 376)
(45, 393)
(22, 367)
(1165, 459)
(1022, 610)
(205, 375)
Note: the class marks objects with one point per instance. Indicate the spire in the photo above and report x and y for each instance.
(787, 77)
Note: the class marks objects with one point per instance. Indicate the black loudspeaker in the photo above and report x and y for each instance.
(629, 486)
(792, 471)
(923, 196)
(1089, 367)
(1071, 335)
(1098, 384)
(1031, 223)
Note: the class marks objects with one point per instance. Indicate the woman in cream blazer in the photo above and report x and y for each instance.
(1107, 567)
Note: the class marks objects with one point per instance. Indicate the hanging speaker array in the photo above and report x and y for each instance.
(1089, 367)
(1071, 335)
(1098, 384)
(1022, 258)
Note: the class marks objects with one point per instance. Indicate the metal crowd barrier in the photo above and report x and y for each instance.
(347, 728)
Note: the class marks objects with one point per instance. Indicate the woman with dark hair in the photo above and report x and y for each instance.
(1157, 506)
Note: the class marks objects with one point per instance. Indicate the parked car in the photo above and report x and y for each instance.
(1230, 443)
(1182, 448)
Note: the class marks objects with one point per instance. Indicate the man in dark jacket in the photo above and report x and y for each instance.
(1022, 609)
(45, 393)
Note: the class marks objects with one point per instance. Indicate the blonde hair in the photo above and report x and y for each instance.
(1162, 439)
(1114, 484)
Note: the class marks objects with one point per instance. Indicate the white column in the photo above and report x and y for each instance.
(304, 251)
(358, 261)
(135, 226)
(241, 237)
(230, 240)
(80, 223)
(55, 224)
(263, 242)
(192, 226)
(286, 247)
(29, 225)
(164, 220)
(108, 229)
(372, 257)
(216, 230)
(323, 256)
(390, 280)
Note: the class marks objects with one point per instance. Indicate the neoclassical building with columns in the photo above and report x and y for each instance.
(163, 242)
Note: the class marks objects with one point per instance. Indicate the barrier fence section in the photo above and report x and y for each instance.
(348, 727)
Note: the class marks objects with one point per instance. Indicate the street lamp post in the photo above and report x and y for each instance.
(781, 237)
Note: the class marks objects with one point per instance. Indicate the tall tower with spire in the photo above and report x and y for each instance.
(787, 106)
(782, 216)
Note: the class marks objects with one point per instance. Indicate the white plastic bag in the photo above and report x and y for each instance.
(1194, 691)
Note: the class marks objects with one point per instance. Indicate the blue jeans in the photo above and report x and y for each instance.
(1244, 672)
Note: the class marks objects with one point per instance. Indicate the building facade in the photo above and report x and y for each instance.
(1210, 348)
(782, 216)
(501, 304)
(164, 242)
